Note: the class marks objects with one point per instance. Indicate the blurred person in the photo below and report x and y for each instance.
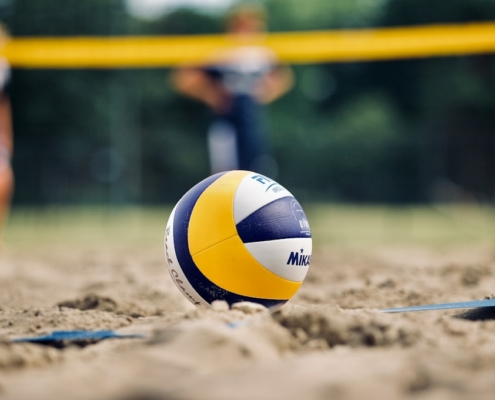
(236, 84)
(6, 137)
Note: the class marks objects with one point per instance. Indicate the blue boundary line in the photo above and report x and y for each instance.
(57, 336)
(444, 306)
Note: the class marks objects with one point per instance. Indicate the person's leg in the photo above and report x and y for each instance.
(6, 189)
(6, 148)
(254, 145)
(222, 147)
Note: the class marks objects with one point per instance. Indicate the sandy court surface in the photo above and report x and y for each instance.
(328, 342)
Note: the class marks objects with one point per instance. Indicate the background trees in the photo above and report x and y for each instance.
(395, 131)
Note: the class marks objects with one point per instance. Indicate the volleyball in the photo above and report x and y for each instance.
(238, 236)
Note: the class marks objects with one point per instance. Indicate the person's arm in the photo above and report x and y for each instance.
(6, 137)
(196, 84)
(275, 84)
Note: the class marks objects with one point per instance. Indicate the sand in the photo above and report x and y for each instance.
(329, 342)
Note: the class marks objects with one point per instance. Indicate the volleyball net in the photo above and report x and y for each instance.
(294, 47)
(96, 119)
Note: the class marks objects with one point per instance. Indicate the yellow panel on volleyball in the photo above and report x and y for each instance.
(230, 266)
(212, 219)
(218, 251)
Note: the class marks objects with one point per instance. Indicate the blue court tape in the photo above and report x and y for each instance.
(57, 336)
(444, 306)
(236, 324)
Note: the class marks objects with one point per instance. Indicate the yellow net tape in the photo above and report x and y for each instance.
(294, 47)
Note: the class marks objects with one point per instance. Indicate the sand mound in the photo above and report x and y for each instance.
(45, 320)
(319, 326)
(18, 355)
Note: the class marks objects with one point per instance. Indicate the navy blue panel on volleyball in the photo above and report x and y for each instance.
(281, 219)
(203, 286)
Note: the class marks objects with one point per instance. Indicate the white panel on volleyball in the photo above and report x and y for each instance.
(287, 258)
(174, 267)
(255, 191)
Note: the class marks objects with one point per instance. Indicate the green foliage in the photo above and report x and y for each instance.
(391, 131)
(418, 12)
(287, 15)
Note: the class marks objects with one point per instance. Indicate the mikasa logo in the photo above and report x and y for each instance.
(299, 259)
